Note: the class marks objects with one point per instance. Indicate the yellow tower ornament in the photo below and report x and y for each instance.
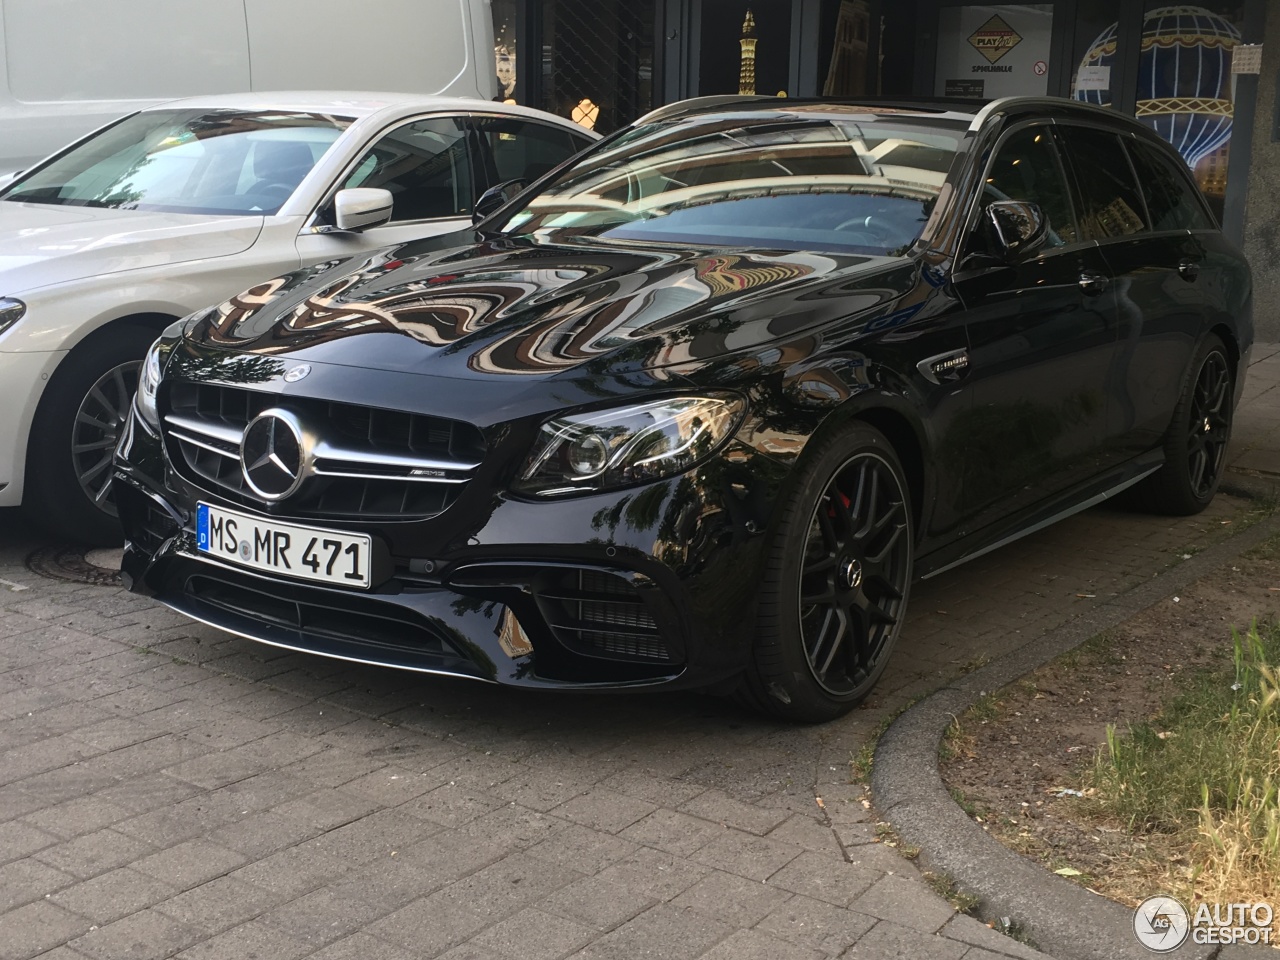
(747, 72)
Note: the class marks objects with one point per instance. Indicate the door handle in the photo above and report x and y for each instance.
(1188, 269)
(1092, 283)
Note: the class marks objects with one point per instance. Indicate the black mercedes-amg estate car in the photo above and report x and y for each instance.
(696, 408)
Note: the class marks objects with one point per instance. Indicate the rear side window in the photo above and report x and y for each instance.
(525, 149)
(1173, 202)
(1111, 203)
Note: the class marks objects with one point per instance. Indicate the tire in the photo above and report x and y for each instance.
(1195, 447)
(79, 418)
(843, 541)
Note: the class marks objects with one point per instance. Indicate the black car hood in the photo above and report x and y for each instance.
(536, 310)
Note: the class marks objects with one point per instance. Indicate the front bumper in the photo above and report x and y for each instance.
(22, 380)
(651, 586)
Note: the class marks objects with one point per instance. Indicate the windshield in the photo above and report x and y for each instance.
(187, 161)
(864, 185)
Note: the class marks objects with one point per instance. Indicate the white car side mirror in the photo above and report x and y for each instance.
(358, 208)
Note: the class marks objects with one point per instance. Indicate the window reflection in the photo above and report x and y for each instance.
(777, 183)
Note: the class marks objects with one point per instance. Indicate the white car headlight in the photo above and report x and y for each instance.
(11, 311)
(628, 445)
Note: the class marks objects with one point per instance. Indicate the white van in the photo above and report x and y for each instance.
(69, 66)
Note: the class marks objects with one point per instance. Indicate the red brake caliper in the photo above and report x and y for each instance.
(831, 511)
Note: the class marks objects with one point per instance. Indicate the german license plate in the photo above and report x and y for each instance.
(261, 543)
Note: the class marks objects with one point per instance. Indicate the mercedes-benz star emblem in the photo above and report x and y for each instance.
(851, 573)
(294, 374)
(273, 456)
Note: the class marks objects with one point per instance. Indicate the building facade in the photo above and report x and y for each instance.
(1198, 72)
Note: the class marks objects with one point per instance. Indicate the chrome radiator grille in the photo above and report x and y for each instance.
(367, 462)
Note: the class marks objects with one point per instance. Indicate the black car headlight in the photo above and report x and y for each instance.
(152, 370)
(622, 446)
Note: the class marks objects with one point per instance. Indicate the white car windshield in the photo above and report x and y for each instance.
(187, 161)
(864, 185)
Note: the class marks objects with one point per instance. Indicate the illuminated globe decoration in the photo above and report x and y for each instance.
(1184, 77)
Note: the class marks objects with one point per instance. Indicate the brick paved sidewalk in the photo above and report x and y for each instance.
(167, 790)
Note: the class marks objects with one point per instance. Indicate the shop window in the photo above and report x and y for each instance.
(597, 61)
(987, 51)
(846, 42)
(1185, 90)
(1093, 62)
(745, 47)
(504, 49)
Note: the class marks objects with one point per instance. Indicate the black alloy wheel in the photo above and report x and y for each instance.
(836, 582)
(80, 417)
(853, 576)
(1195, 448)
(1210, 427)
(96, 429)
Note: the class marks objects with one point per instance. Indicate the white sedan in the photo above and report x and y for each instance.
(187, 203)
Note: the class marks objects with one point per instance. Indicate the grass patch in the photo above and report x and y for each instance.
(1268, 549)
(946, 888)
(971, 810)
(956, 740)
(1015, 931)
(860, 762)
(1100, 648)
(1205, 773)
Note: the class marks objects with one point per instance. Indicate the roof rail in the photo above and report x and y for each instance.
(1004, 103)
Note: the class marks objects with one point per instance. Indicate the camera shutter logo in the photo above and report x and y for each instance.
(1161, 924)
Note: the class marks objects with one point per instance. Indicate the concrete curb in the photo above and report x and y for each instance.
(1063, 919)
(1250, 484)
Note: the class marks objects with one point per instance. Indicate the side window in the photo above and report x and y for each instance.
(424, 165)
(1173, 201)
(527, 149)
(1111, 202)
(1026, 168)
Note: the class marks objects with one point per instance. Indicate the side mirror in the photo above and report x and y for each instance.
(495, 198)
(1018, 227)
(358, 208)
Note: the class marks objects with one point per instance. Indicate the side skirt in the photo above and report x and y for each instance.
(1045, 521)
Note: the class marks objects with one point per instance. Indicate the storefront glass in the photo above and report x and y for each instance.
(994, 50)
(745, 47)
(597, 60)
(1186, 91)
(1093, 60)
(504, 48)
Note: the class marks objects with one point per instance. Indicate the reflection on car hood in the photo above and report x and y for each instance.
(524, 309)
(43, 244)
